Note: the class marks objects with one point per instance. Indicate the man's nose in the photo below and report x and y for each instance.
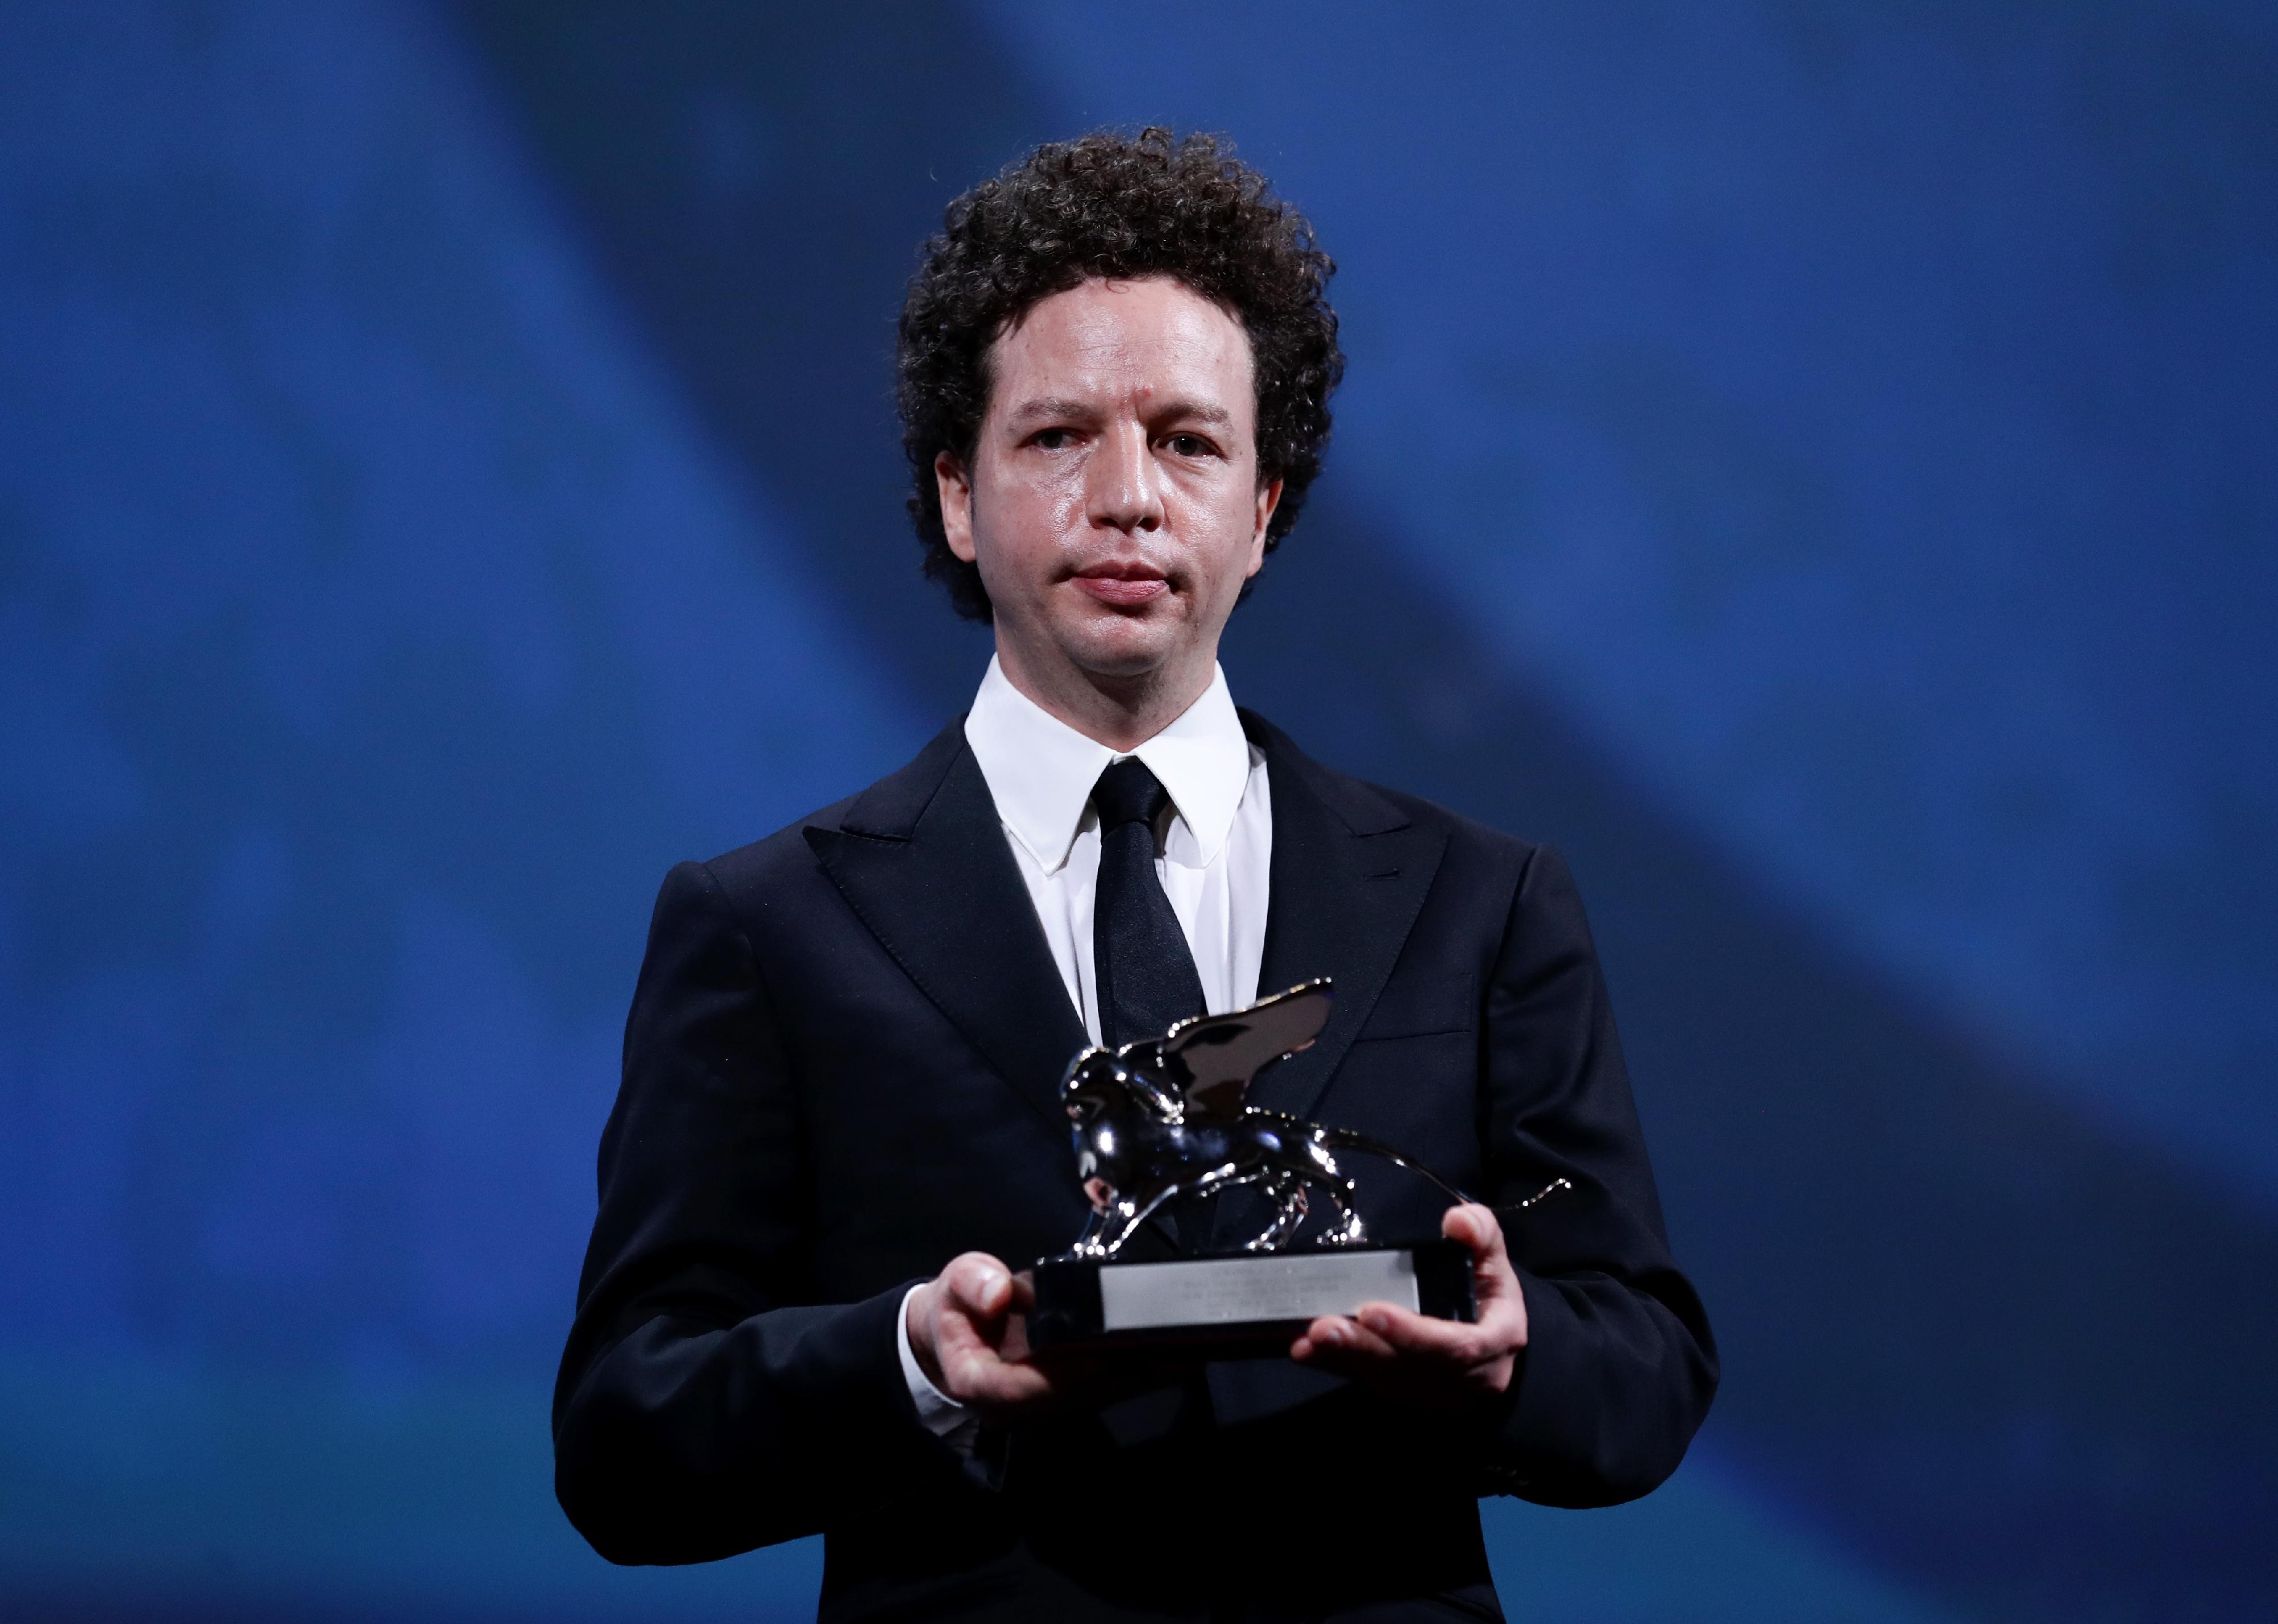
(1126, 489)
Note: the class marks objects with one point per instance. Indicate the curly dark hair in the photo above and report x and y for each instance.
(1124, 206)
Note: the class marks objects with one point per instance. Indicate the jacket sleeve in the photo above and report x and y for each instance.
(707, 1404)
(1620, 1365)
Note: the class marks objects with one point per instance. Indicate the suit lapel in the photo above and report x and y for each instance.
(1349, 875)
(920, 858)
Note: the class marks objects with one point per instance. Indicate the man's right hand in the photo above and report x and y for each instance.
(970, 1346)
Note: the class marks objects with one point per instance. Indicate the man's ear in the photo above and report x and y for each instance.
(956, 489)
(1269, 497)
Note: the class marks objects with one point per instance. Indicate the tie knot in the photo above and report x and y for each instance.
(1126, 792)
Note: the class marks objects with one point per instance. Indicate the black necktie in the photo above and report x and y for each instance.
(1147, 978)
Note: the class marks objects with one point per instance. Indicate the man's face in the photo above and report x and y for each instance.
(1113, 504)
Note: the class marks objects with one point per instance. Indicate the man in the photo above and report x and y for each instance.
(838, 1138)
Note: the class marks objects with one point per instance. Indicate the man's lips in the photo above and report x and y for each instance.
(1122, 585)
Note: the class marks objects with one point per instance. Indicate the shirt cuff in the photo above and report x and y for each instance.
(937, 1413)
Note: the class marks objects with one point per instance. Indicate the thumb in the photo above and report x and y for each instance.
(981, 1286)
(1494, 1282)
(1477, 1228)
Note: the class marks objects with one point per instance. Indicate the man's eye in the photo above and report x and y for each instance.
(1190, 445)
(1051, 440)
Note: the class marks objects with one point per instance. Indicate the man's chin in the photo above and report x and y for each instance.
(1121, 646)
(1127, 669)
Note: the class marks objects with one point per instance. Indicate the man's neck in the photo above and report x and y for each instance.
(1119, 712)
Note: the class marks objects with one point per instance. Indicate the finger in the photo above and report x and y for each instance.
(1335, 1343)
(1013, 1345)
(983, 1357)
(1500, 1327)
(1411, 1356)
(979, 1286)
(1477, 1228)
(1495, 1279)
(981, 1379)
(1419, 1335)
(967, 1311)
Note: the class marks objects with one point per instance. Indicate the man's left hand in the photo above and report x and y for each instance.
(1438, 1362)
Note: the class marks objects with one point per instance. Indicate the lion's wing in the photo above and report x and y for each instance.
(1222, 1053)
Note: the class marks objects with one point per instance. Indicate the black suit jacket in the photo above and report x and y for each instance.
(841, 1069)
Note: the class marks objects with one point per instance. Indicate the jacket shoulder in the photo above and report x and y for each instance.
(887, 809)
(1465, 833)
(1368, 808)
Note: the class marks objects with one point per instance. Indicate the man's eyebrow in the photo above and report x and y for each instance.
(1193, 411)
(1031, 411)
(1052, 408)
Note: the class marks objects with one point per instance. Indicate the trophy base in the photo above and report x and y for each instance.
(1244, 1303)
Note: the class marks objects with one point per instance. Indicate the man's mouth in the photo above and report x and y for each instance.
(1122, 585)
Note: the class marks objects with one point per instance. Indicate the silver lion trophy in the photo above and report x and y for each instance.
(1165, 1119)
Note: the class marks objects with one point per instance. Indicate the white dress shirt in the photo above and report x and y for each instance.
(1215, 863)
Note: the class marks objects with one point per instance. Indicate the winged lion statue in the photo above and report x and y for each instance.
(1165, 1118)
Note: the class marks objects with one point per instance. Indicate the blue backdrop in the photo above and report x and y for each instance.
(1809, 462)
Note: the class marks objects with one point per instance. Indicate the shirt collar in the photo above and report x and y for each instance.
(1040, 770)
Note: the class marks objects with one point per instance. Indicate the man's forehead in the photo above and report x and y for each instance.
(1151, 340)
